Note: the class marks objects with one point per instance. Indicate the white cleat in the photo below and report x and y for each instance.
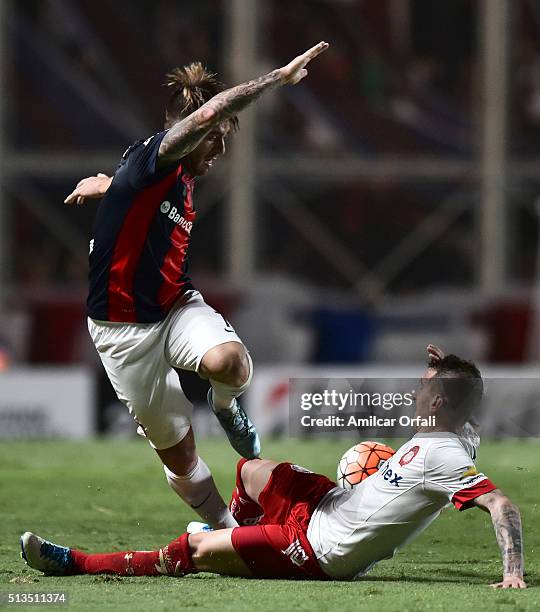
(45, 556)
(198, 527)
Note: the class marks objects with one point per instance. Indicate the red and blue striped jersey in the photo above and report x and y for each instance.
(140, 237)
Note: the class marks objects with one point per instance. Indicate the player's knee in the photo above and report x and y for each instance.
(227, 363)
(248, 469)
(255, 474)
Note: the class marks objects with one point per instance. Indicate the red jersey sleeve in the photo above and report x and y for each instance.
(464, 498)
(451, 473)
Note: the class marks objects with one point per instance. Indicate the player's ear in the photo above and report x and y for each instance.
(437, 403)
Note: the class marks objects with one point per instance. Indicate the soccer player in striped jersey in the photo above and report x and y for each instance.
(144, 316)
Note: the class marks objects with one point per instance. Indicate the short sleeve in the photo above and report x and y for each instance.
(141, 162)
(451, 473)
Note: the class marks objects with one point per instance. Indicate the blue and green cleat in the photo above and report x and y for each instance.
(239, 429)
(45, 556)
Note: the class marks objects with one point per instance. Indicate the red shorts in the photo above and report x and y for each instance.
(278, 546)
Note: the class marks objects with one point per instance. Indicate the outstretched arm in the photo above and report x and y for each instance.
(186, 134)
(507, 524)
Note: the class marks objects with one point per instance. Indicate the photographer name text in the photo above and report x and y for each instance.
(353, 420)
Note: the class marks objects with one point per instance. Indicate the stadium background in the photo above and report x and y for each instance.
(388, 201)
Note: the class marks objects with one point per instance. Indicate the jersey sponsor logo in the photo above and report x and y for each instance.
(383, 464)
(472, 471)
(91, 247)
(173, 214)
(296, 553)
(473, 480)
(391, 476)
(409, 455)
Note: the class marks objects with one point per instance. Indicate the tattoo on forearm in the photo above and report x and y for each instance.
(182, 138)
(185, 135)
(232, 101)
(507, 524)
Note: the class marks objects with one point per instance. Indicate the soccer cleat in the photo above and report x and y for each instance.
(45, 556)
(198, 527)
(239, 429)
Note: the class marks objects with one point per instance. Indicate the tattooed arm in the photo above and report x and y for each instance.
(507, 524)
(186, 134)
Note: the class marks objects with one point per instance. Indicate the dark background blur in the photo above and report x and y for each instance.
(359, 215)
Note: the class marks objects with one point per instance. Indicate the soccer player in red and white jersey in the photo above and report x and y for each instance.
(297, 524)
(144, 316)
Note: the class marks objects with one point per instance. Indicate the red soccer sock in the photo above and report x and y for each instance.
(242, 507)
(171, 560)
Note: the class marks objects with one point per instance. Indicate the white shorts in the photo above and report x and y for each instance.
(139, 359)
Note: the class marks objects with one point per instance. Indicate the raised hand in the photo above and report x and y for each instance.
(295, 71)
(434, 352)
(90, 187)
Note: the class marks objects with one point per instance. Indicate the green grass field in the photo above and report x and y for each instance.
(112, 495)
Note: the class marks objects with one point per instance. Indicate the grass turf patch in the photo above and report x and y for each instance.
(112, 495)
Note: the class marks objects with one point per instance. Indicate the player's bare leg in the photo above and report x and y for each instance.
(202, 552)
(214, 552)
(228, 367)
(228, 364)
(255, 476)
(191, 480)
(182, 457)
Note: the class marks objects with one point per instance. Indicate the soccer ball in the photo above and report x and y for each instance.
(361, 461)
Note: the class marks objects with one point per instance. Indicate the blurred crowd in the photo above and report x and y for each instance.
(400, 79)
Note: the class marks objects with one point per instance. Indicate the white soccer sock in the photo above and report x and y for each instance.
(199, 491)
(223, 395)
